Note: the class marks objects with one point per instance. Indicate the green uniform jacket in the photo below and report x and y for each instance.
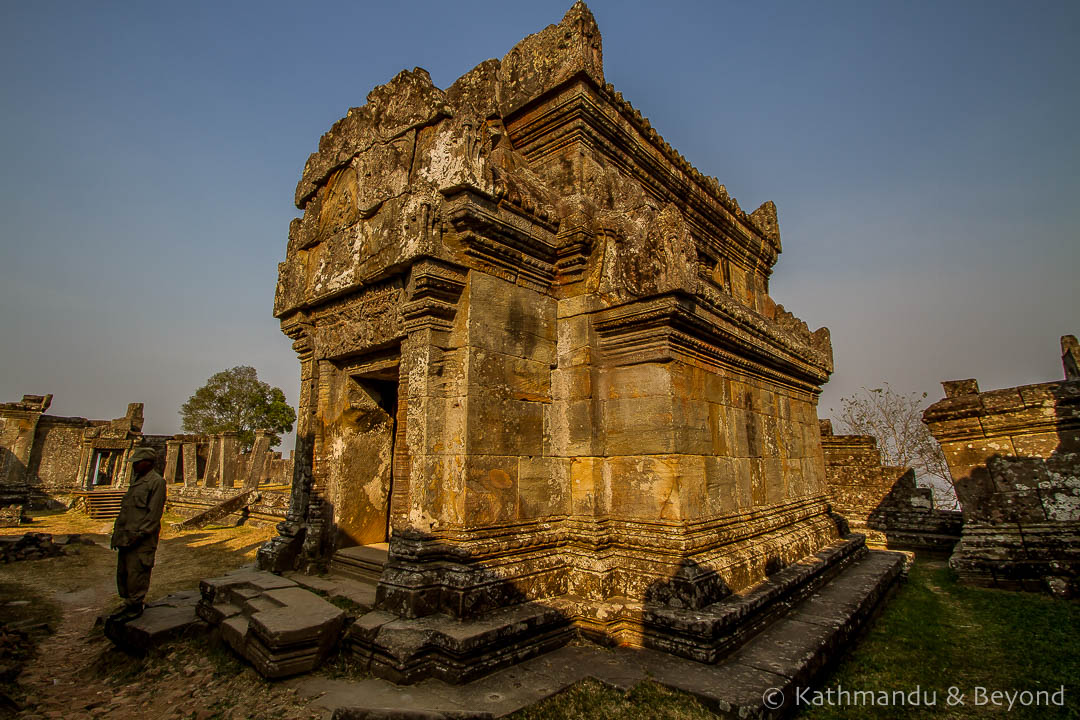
(140, 512)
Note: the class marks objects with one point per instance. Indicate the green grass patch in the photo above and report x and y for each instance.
(592, 699)
(936, 634)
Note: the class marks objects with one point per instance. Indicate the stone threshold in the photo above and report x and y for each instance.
(771, 666)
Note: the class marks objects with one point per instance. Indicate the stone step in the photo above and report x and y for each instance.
(359, 592)
(361, 562)
(788, 655)
(101, 504)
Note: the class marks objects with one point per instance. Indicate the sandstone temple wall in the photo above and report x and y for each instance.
(1014, 458)
(47, 459)
(883, 502)
(538, 356)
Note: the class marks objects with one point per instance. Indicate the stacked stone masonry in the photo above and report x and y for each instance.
(538, 356)
(1014, 457)
(281, 628)
(883, 502)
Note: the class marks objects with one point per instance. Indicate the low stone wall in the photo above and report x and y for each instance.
(270, 509)
(1014, 457)
(883, 502)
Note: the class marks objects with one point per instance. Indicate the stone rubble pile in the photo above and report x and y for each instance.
(35, 546)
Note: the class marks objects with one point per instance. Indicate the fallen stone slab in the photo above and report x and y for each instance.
(279, 627)
(222, 510)
(358, 592)
(161, 621)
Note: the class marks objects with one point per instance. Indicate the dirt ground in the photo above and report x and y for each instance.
(75, 673)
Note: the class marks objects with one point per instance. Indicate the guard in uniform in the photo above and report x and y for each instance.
(135, 534)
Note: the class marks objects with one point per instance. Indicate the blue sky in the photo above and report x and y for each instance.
(923, 157)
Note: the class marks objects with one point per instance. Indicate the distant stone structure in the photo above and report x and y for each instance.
(1014, 457)
(538, 356)
(50, 461)
(883, 502)
(44, 459)
(204, 471)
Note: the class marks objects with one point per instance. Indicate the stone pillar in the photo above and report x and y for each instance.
(122, 475)
(213, 463)
(86, 457)
(1070, 357)
(191, 464)
(172, 454)
(230, 443)
(260, 454)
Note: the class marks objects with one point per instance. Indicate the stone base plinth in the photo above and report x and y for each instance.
(407, 650)
(1030, 556)
(280, 628)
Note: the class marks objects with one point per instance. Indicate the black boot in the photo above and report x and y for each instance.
(131, 612)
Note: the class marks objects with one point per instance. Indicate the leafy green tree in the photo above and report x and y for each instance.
(236, 400)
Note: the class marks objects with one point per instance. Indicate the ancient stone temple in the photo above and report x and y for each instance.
(1014, 457)
(539, 357)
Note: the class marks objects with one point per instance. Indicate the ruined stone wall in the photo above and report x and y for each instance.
(883, 502)
(18, 428)
(1014, 458)
(53, 471)
(44, 459)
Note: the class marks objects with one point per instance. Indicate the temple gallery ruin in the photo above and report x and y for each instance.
(545, 394)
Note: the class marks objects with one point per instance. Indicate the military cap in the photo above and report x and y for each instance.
(142, 453)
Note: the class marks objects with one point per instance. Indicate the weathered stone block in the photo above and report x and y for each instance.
(504, 426)
(586, 485)
(571, 428)
(490, 489)
(543, 487)
(638, 425)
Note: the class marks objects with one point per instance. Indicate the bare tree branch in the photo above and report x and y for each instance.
(895, 419)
